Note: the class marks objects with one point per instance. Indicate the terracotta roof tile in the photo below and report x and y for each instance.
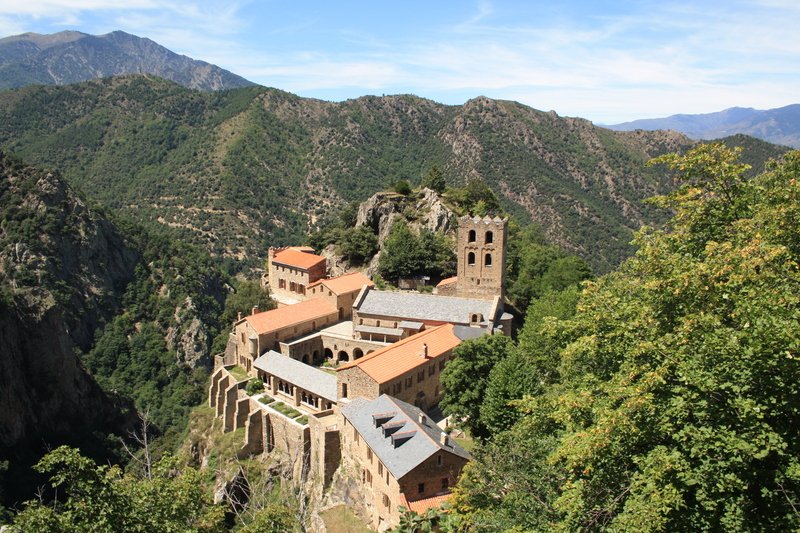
(277, 319)
(295, 258)
(352, 282)
(420, 506)
(394, 360)
(447, 281)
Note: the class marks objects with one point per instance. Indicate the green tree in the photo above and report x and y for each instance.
(677, 406)
(532, 365)
(101, 499)
(434, 180)
(359, 244)
(402, 187)
(466, 376)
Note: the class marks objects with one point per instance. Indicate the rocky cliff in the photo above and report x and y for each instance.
(62, 270)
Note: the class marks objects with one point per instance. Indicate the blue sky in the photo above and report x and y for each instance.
(605, 61)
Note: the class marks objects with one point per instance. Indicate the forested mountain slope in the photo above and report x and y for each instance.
(82, 290)
(240, 170)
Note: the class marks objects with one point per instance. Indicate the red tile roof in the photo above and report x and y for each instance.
(420, 506)
(283, 317)
(352, 282)
(396, 359)
(297, 259)
(447, 281)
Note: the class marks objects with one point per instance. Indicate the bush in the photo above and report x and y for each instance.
(254, 386)
(402, 187)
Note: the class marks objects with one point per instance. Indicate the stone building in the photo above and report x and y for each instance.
(259, 332)
(340, 291)
(374, 309)
(481, 255)
(291, 270)
(296, 383)
(408, 369)
(400, 456)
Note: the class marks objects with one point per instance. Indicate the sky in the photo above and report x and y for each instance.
(605, 61)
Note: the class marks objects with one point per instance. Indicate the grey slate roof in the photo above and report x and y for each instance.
(298, 373)
(379, 331)
(415, 442)
(466, 332)
(409, 324)
(418, 306)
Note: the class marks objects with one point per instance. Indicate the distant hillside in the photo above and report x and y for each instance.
(779, 126)
(238, 171)
(71, 57)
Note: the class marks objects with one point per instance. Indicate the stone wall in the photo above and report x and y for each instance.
(357, 383)
(424, 393)
(326, 450)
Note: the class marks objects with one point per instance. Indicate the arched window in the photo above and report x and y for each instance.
(471, 237)
(487, 260)
(471, 258)
(489, 237)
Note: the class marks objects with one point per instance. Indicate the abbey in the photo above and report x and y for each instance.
(351, 373)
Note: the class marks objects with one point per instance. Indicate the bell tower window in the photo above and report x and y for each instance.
(489, 237)
(471, 237)
(487, 260)
(471, 258)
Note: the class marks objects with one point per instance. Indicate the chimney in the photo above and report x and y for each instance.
(238, 316)
(423, 420)
(255, 310)
(444, 439)
(424, 353)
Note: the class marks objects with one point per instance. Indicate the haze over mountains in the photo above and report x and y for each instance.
(779, 126)
(71, 57)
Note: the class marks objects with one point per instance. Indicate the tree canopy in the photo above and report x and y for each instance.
(676, 399)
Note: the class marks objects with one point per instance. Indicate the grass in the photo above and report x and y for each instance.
(238, 373)
(466, 442)
(282, 408)
(302, 420)
(266, 400)
(341, 519)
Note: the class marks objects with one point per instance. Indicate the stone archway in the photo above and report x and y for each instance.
(343, 356)
(305, 358)
(315, 357)
(358, 353)
(328, 354)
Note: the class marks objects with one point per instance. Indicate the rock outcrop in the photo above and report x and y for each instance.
(63, 268)
(421, 210)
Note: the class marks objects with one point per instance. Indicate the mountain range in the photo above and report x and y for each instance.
(238, 171)
(779, 126)
(71, 57)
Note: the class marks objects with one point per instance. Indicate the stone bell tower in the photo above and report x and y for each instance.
(482, 257)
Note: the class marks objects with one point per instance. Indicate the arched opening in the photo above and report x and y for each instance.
(489, 237)
(341, 313)
(474, 318)
(328, 353)
(358, 353)
(305, 358)
(420, 401)
(471, 237)
(487, 260)
(343, 356)
(471, 258)
(315, 357)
